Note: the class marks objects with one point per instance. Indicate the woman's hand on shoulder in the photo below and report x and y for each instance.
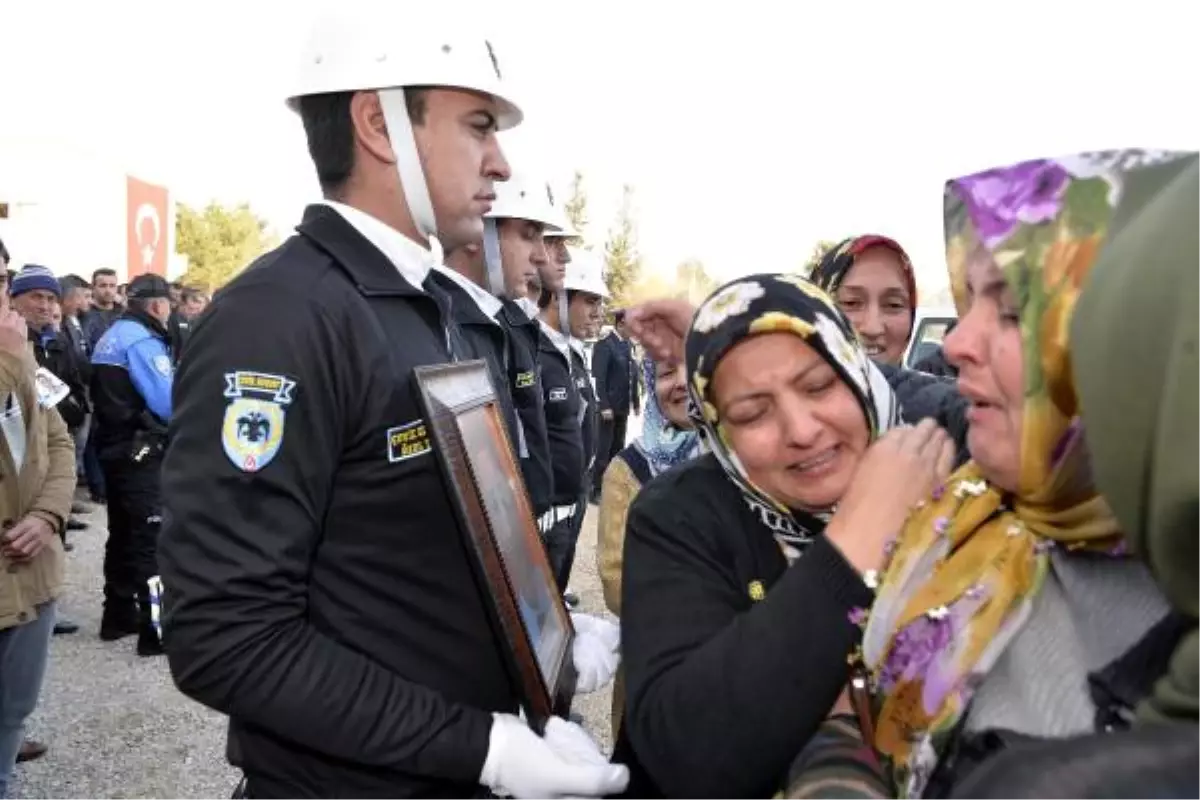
(899, 470)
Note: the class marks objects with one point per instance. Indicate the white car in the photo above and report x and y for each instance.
(929, 328)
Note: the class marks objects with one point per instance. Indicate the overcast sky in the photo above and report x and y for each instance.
(749, 132)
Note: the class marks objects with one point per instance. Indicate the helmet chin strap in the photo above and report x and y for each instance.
(564, 312)
(408, 165)
(492, 259)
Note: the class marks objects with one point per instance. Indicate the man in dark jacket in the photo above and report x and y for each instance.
(35, 293)
(105, 310)
(617, 391)
(316, 588)
(509, 258)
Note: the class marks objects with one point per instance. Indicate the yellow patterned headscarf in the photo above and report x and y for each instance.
(968, 563)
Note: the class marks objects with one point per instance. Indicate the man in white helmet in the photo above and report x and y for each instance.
(570, 401)
(493, 277)
(316, 588)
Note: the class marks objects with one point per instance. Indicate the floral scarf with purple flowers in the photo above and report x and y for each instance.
(964, 571)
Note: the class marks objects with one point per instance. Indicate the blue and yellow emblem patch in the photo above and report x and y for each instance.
(254, 419)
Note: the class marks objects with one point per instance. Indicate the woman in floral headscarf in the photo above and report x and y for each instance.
(1008, 595)
(872, 280)
(740, 577)
(1140, 406)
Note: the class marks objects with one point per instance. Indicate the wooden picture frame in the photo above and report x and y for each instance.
(496, 518)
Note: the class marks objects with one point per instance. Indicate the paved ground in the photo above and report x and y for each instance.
(116, 725)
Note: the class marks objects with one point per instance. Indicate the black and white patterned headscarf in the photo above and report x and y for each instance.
(778, 303)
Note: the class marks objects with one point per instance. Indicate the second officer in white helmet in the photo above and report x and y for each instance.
(569, 315)
(496, 274)
(315, 589)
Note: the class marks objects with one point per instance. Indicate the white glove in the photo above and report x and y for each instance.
(602, 629)
(596, 652)
(566, 763)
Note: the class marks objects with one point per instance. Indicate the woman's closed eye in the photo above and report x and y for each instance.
(747, 412)
(820, 386)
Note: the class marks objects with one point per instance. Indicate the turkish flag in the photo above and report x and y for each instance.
(146, 232)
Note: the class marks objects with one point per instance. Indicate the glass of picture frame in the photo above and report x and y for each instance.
(496, 518)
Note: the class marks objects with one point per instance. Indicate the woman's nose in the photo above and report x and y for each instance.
(871, 322)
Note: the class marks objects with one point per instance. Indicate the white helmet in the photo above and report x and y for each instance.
(517, 198)
(585, 273)
(349, 52)
(563, 228)
(522, 198)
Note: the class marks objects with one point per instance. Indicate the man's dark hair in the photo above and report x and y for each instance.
(4, 253)
(103, 272)
(177, 286)
(69, 282)
(330, 134)
(190, 293)
(619, 316)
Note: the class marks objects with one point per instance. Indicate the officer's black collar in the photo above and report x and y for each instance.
(464, 308)
(515, 316)
(369, 268)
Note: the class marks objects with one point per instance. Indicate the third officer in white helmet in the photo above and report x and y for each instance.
(316, 590)
(570, 400)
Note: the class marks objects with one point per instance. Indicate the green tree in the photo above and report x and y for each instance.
(576, 206)
(818, 252)
(623, 262)
(219, 242)
(692, 281)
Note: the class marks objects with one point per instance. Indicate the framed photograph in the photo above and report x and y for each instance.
(496, 517)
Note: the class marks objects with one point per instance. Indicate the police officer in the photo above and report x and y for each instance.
(508, 262)
(131, 389)
(570, 401)
(315, 588)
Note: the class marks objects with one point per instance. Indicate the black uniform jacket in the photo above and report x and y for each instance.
(488, 338)
(565, 412)
(526, 384)
(317, 589)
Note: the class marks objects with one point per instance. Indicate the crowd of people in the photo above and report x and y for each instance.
(101, 356)
(834, 575)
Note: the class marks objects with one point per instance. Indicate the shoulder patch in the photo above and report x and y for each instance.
(408, 441)
(254, 419)
(525, 379)
(162, 365)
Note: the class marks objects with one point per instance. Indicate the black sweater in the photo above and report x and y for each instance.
(725, 689)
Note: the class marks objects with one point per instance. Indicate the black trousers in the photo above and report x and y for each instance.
(610, 441)
(134, 517)
(560, 549)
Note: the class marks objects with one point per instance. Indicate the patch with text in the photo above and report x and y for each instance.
(408, 441)
(252, 431)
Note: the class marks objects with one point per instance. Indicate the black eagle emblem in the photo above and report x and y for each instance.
(253, 427)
